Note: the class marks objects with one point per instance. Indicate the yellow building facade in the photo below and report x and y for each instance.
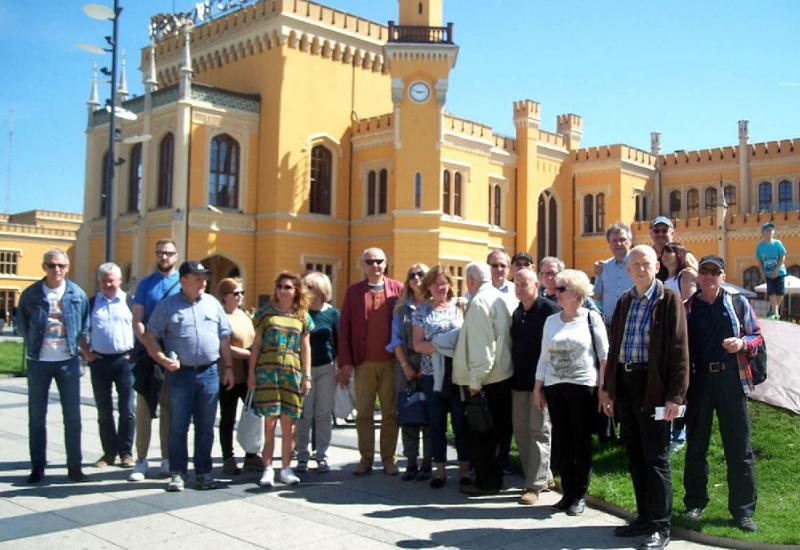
(291, 136)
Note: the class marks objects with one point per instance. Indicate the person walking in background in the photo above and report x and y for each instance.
(107, 348)
(531, 425)
(318, 402)
(280, 370)
(771, 255)
(53, 316)
(408, 370)
(364, 331)
(231, 294)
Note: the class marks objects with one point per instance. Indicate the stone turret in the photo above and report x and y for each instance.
(421, 13)
(744, 166)
(186, 63)
(571, 127)
(527, 114)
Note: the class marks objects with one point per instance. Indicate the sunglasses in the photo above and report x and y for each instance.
(54, 266)
(662, 231)
(562, 289)
(376, 261)
(416, 275)
(712, 272)
(167, 253)
(283, 287)
(499, 266)
(238, 292)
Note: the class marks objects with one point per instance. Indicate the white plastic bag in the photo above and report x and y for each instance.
(250, 430)
(344, 400)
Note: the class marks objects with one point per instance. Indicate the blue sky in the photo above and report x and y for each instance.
(689, 69)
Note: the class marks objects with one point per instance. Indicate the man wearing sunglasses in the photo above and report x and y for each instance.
(53, 315)
(151, 397)
(365, 328)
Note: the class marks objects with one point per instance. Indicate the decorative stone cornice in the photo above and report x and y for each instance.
(227, 221)
(402, 51)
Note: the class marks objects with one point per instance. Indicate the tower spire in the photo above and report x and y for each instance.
(186, 63)
(94, 98)
(122, 89)
(150, 79)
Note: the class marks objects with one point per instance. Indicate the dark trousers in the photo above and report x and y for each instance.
(572, 411)
(107, 373)
(646, 443)
(720, 392)
(439, 405)
(489, 449)
(228, 402)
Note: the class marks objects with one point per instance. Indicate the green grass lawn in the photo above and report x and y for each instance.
(776, 442)
(10, 358)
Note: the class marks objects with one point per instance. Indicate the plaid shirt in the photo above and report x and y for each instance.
(636, 337)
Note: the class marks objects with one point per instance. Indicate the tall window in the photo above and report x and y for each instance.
(383, 191)
(446, 192)
(223, 176)
(693, 203)
(751, 278)
(457, 194)
(784, 196)
(641, 207)
(104, 183)
(377, 192)
(675, 204)
(711, 200)
(135, 178)
(457, 274)
(8, 262)
(730, 197)
(418, 190)
(588, 214)
(546, 226)
(600, 212)
(166, 156)
(498, 206)
(765, 197)
(321, 175)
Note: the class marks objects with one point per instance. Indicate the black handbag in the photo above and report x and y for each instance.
(412, 408)
(479, 417)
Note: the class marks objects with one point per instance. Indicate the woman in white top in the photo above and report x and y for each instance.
(566, 382)
(682, 277)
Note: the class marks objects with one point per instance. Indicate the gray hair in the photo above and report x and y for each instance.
(577, 281)
(498, 251)
(559, 263)
(108, 268)
(479, 272)
(54, 252)
(321, 283)
(619, 227)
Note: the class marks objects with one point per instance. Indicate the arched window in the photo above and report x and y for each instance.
(446, 192)
(418, 190)
(457, 194)
(675, 204)
(371, 183)
(641, 207)
(498, 205)
(383, 191)
(588, 214)
(319, 200)
(552, 219)
(751, 278)
(711, 200)
(692, 203)
(600, 212)
(419, 8)
(223, 177)
(730, 197)
(546, 226)
(784, 196)
(135, 178)
(765, 197)
(166, 154)
(104, 183)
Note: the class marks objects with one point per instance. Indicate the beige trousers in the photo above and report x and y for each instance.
(144, 422)
(376, 379)
(532, 433)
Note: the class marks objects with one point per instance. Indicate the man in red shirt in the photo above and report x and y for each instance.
(364, 331)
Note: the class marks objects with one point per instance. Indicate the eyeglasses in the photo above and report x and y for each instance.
(416, 275)
(499, 266)
(373, 261)
(54, 266)
(662, 231)
(167, 253)
(712, 272)
(548, 273)
(238, 292)
(562, 289)
(284, 287)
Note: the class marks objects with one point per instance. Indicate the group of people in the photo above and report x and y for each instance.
(523, 354)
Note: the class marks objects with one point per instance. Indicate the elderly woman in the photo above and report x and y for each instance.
(280, 370)
(574, 348)
(439, 315)
(318, 403)
(682, 277)
(408, 373)
(231, 294)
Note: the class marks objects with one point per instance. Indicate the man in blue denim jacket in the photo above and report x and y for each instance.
(53, 315)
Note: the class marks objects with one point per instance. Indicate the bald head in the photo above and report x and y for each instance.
(526, 286)
(642, 266)
(373, 262)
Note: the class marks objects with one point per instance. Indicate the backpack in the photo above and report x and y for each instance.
(758, 362)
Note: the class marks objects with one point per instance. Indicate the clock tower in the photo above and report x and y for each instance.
(420, 52)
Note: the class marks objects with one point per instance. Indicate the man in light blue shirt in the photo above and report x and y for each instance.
(612, 277)
(107, 348)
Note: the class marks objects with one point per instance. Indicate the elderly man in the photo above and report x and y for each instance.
(531, 426)
(195, 332)
(612, 277)
(549, 267)
(53, 315)
(107, 349)
(482, 365)
(723, 334)
(151, 393)
(365, 328)
(647, 368)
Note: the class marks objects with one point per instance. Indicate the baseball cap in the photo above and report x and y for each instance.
(768, 225)
(522, 256)
(661, 219)
(716, 260)
(192, 268)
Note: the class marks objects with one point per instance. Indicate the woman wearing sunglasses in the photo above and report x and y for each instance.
(682, 277)
(280, 370)
(566, 382)
(231, 295)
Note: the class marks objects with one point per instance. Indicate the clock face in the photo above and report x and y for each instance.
(419, 92)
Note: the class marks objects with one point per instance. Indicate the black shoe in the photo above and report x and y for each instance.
(464, 481)
(747, 524)
(563, 504)
(656, 541)
(424, 473)
(634, 529)
(410, 473)
(36, 475)
(438, 482)
(76, 475)
(577, 507)
(693, 514)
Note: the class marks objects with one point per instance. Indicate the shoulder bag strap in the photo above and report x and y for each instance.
(591, 335)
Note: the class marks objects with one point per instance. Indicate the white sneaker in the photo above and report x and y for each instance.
(268, 477)
(164, 472)
(288, 476)
(139, 470)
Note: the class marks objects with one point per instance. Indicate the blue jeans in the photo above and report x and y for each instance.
(438, 407)
(192, 394)
(117, 371)
(68, 376)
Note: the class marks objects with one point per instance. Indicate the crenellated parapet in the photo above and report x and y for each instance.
(615, 152)
(571, 127)
(729, 154)
(466, 127)
(369, 125)
(527, 114)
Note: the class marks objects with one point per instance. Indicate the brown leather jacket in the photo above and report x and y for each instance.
(667, 352)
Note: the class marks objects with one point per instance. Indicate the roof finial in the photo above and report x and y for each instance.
(150, 78)
(122, 89)
(94, 97)
(186, 63)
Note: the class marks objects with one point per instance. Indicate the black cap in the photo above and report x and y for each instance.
(524, 256)
(192, 268)
(716, 260)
